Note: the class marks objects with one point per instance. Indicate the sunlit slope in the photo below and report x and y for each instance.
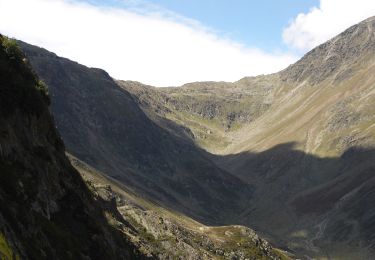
(209, 112)
(325, 102)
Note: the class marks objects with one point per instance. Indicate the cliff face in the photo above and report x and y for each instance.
(46, 210)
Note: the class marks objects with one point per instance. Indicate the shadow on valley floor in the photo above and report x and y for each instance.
(303, 177)
(327, 200)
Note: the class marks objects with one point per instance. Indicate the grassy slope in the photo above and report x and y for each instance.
(211, 111)
(165, 233)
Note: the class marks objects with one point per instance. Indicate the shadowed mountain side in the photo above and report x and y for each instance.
(46, 210)
(319, 206)
(102, 125)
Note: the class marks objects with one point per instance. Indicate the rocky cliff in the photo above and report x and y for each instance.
(46, 210)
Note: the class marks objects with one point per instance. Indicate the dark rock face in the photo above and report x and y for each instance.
(46, 210)
(102, 125)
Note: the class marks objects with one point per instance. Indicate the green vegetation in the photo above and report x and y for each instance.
(43, 90)
(11, 48)
(18, 71)
(6, 253)
(243, 240)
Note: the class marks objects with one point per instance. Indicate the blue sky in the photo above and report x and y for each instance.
(169, 43)
(254, 23)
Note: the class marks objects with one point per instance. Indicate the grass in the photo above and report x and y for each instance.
(6, 253)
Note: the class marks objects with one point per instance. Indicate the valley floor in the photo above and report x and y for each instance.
(165, 234)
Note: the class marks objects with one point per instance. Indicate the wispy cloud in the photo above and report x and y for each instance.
(149, 44)
(321, 23)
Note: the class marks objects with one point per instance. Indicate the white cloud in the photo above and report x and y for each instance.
(321, 23)
(155, 47)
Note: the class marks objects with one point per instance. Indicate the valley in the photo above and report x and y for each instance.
(163, 233)
(207, 170)
(303, 138)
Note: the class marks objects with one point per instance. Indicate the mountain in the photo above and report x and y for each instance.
(46, 210)
(102, 125)
(303, 138)
(290, 154)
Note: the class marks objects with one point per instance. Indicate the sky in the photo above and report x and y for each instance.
(254, 23)
(172, 42)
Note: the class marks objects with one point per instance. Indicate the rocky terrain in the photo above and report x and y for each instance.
(290, 154)
(166, 234)
(208, 111)
(46, 210)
